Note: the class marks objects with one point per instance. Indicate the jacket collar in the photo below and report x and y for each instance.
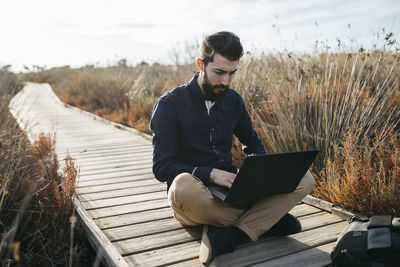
(195, 90)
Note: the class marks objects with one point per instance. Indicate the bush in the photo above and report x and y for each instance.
(365, 177)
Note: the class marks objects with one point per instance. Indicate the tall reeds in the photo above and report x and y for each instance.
(318, 111)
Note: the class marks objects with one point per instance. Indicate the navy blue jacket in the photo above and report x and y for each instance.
(187, 139)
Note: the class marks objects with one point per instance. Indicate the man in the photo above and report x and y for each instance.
(193, 127)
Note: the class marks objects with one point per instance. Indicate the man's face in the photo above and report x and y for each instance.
(217, 77)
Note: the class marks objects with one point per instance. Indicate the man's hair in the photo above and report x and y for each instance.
(227, 44)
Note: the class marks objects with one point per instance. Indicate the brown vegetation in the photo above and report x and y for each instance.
(363, 177)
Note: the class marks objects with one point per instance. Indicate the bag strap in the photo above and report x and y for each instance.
(380, 221)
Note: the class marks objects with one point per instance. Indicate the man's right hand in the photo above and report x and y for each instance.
(221, 177)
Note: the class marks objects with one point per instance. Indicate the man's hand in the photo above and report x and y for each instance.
(221, 177)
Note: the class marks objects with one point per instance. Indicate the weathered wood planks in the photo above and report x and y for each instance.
(312, 257)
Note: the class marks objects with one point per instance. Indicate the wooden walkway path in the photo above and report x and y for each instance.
(125, 209)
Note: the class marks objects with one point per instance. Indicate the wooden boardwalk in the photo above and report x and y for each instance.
(124, 208)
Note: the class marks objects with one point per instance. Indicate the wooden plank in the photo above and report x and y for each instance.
(128, 208)
(97, 145)
(113, 170)
(93, 155)
(116, 186)
(134, 218)
(159, 240)
(98, 142)
(129, 191)
(83, 154)
(119, 147)
(269, 248)
(303, 209)
(95, 204)
(97, 133)
(101, 132)
(122, 157)
(316, 202)
(133, 174)
(98, 166)
(317, 220)
(142, 229)
(117, 150)
(344, 214)
(114, 165)
(82, 183)
(100, 241)
(188, 263)
(80, 145)
(93, 152)
(313, 257)
(176, 254)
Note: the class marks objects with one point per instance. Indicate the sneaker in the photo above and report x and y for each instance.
(216, 241)
(287, 225)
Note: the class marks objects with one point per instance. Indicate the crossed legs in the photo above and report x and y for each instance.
(193, 204)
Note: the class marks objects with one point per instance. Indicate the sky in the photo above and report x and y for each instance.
(52, 33)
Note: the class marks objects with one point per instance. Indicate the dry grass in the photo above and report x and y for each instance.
(35, 198)
(316, 112)
(363, 177)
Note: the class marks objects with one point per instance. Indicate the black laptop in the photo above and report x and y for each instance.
(264, 175)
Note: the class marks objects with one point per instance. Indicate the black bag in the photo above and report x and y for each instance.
(374, 242)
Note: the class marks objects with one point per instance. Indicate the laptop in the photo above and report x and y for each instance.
(265, 175)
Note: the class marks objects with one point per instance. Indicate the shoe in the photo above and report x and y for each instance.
(216, 241)
(287, 225)
(206, 251)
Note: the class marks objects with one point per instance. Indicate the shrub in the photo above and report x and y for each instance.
(363, 177)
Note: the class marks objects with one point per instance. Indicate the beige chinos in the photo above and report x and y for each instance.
(193, 204)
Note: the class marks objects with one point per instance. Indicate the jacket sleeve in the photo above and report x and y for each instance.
(245, 133)
(164, 125)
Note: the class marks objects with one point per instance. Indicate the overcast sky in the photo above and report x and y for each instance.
(79, 32)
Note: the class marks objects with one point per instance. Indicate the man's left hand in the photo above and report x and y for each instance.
(221, 177)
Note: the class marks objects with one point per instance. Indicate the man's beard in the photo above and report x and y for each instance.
(208, 89)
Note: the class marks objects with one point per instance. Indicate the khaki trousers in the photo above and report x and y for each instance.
(193, 204)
